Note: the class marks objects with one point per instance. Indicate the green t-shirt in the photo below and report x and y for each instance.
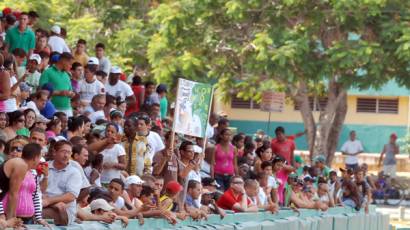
(325, 172)
(23, 132)
(163, 104)
(60, 81)
(2, 158)
(299, 171)
(25, 40)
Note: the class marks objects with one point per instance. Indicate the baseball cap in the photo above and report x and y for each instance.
(115, 112)
(298, 159)
(115, 70)
(134, 179)
(173, 187)
(36, 58)
(161, 88)
(56, 29)
(93, 61)
(319, 158)
(100, 204)
(197, 149)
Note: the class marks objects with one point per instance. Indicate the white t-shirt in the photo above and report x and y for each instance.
(57, 44)
(89, 90)
(262, 197)
(120, 203)
(121, 89)
(352, 147)
(97, 115)
(155, 145)
(11, 103)
(84, 183)
(111, 156)
(32, 105)
(194, 175)
(272, 182)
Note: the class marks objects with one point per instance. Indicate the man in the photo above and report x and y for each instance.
(21, 36)
(235, 197)
(32, 19)
(33, 76)
(192, 201)
(186, 163)
(105, 64)
(76, 76)
(166, 162)
(155, 115)
(56, 42)
(79, 54)
(320, 163)
(163, 101)
(151, 96)
(252, 190)
(90, 86)
(39, 102)
(133, 187)
(117, 88)
(391, 150)
(352, 148)
(59, 201)
(58, 76)
(282, 146)
(148, 144)
(80, 157)
(96, 109)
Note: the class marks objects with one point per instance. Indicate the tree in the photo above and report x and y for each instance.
(302, 47)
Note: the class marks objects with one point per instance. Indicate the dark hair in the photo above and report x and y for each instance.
(144, 117)
(118, 181)
(57, 146)
(354, 193)
(26, 111)
(92, 68)
(222, 132)
(19, 52)
(266, 164)
(223, 121)
(81, 41)
(113, 125)
(31, 151)
(184, 145)
(146, 191)
(77, 149)
(262, 149)
(148, 83)
(52, 123)
(136, 80)
(74, 123)
(100, 45)
(279, 129)
(33, 14)
(192, 184)
(249, 146)
(14, 116)
(238, 137)
(75, 65)
(40, 93)
(76, 140)
(24, 13)
(66, 56)
(98, 160)
(278, 159)
(43, 54)
(101, 73)
(60, 115)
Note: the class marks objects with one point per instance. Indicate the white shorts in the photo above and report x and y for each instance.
(390, 170)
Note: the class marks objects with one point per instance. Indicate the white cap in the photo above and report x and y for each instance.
(133, 180)
(35, 57)
(93, 61)
(100, 204)
(115, 69)
(197, 149)
(56, 29)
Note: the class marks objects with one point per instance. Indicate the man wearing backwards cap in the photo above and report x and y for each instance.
(56, 42)
(100, 207)
(33, 76)
(390, 149)
(117, 88)
(133, 188)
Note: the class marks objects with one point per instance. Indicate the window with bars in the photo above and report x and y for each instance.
(239, 103)
(315, 103)
(377, 105)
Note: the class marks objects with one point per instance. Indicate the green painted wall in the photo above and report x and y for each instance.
(373, 137)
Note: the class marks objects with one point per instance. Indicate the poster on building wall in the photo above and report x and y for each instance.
(272, 101)
(192, 107)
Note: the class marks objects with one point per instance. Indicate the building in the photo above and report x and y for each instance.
(374, 114)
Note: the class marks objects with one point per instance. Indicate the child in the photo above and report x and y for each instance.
(146, 197)
(97, 167)
(209, 204)
(272, 184)
(101, 207)
(170, 197)
(116, 189)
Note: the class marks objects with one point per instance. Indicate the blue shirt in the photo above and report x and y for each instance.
(49, 110)
(190, 201)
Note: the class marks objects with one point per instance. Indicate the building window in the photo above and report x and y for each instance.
(315, 103)
(376, 105)
(239, 103)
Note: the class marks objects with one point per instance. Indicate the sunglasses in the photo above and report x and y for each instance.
(16, 149)
(237, 182)
(20, 120)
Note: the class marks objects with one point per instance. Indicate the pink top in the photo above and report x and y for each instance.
(25, 205)
(282, 179)
(224, 161)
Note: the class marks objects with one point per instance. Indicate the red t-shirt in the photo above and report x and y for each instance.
(283, 149)
(228, 199)
(137, 89)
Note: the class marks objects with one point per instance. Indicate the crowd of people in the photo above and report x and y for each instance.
(82, 141)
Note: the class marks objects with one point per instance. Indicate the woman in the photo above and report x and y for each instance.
(114, 157)
(87, 125)
(351, 196)
(75, 127)
(14, 147)
(224, 160)
(53, 128)
(41, 45)
(20, 170)
(16, 122)
(239, 142)
(4, 84)
(264, 153)
(30, 117)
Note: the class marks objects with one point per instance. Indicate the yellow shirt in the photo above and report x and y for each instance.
(137, 164)
(81, 58)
